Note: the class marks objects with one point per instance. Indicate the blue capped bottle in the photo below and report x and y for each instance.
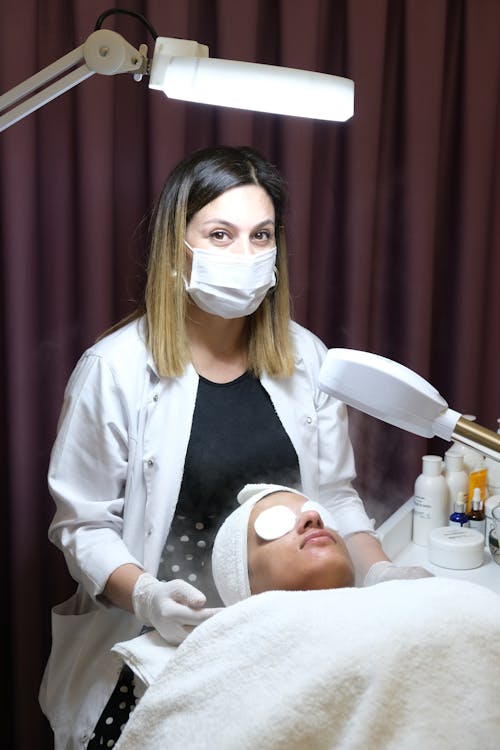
(459, 517)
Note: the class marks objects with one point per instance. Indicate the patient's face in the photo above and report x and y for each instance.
(309, 556)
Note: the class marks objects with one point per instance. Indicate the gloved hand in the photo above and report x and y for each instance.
(173, 608)
(388, 571)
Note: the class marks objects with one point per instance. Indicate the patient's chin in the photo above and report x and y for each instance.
(337, 576)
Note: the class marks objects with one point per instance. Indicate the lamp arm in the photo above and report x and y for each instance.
(182, 69)
(478, 437)
(104, 52)
(37, 100)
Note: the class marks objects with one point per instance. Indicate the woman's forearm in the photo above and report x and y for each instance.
(365, 550)
(120, 584)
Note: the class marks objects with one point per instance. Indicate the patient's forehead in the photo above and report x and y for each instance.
(290, 499)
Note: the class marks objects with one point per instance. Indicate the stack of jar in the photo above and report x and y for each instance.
(460, 491)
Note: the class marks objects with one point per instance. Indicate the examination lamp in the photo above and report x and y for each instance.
(184, 70)
(395, 394)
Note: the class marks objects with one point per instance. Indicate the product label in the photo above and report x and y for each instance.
(453, 533)
(422, 507)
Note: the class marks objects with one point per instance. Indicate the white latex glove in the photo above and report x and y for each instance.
(173, 608)
(388, 571)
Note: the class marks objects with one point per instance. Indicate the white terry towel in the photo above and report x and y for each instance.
(147, 655)
(402, 665)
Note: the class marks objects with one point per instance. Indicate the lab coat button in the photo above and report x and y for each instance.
(150, 462)
(309, 420)
(155, 397)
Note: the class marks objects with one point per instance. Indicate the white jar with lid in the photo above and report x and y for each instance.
(430, 501)
(458, 549)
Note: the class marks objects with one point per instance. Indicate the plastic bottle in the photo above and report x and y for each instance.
(478, 479)
(459, 517)
(476, 514)
(493, 468)
(430, 502)
(456, 477)
(470, 455)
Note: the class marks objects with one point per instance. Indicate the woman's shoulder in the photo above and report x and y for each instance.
(121, 355)
(306, 343)
(124, 345)
(117, 364)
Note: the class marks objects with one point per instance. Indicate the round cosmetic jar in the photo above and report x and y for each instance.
(456, 548)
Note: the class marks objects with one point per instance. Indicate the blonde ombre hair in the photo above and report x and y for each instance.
(196, 181)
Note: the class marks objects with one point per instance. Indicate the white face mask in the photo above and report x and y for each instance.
(230, 285)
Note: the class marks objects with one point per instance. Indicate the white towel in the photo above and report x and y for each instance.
(402, 665)
(147, 656)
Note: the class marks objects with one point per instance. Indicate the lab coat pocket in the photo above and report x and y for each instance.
(71, 625)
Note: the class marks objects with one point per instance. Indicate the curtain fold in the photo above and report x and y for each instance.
(393, 231)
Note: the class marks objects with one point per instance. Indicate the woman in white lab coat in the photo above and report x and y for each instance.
(206, 387)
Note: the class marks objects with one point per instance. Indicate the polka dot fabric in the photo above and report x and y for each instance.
(187, 554)
(116, 713)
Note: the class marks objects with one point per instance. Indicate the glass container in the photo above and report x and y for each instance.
(494, 535)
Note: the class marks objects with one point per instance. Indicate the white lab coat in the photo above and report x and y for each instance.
(115, 474)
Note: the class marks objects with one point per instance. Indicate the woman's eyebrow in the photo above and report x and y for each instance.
(218, 221)
(226, 223)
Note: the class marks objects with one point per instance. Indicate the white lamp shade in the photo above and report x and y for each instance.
(262, 88)
(388, 391)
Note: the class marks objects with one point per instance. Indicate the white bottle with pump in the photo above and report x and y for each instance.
(493, 472)
(430, 501)
(456, 477)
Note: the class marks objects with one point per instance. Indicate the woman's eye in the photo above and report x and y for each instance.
(264, 235)
(219, 235)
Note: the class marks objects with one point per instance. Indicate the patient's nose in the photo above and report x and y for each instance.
(309, 519)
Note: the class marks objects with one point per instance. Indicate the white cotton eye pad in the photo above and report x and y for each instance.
(323, 513)
(274, 522)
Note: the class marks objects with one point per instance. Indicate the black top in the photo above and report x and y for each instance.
(236, 438)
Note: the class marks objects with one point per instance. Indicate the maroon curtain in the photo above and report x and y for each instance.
(393, 231)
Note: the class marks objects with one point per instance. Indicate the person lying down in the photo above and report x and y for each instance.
(307, 553)
(303, 658)
(278, 539)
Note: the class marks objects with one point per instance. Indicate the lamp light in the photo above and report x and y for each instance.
(183, 70)
(395, 394)
(244, 85)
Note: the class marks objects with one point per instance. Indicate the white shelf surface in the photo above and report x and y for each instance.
(395, 534)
